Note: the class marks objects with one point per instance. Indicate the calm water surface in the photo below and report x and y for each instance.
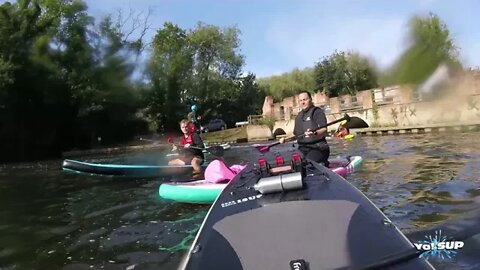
(50, 219)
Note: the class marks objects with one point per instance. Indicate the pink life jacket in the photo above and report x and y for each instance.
(217, 171)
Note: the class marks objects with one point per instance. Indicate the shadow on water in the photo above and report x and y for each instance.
(51, 219)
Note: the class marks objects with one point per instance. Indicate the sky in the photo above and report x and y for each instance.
(278, 36)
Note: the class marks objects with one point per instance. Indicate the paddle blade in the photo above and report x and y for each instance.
(264, 148)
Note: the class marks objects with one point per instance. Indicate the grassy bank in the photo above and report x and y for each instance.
(230, 135)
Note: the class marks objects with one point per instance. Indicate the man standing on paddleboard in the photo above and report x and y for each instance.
(189, 155)
(313, 144)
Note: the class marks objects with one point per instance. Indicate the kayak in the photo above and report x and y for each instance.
(302, 216)
(126, 170)
(350, 136)
(205, 192)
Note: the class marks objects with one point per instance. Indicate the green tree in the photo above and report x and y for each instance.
(197, 66)
(26, 28)
(245, 99)
(110, 110)
(289, 83)
(430, 46)
(5, 74)
(344, 73)
(170, 72)
(63, 81)
(217, 64)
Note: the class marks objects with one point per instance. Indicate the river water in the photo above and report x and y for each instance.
(50, 219)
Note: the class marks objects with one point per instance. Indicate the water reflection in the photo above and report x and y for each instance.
(52, 220)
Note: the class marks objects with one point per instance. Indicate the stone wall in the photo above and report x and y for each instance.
(258, 132)
(267, 108)
(393, 106)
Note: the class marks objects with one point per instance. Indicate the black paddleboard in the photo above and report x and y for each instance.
(323, 223)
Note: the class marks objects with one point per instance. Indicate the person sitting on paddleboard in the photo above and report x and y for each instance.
(313, 145)
(342, 131)
(190, 155)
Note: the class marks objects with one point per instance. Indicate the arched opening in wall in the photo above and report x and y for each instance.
(279, 131)
(356, 122)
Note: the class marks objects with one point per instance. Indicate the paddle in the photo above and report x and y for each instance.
(148, 140)
(265, 148)
(215, 150)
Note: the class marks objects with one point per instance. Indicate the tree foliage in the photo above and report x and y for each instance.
(64, 81)
(344, 74)
(68, 81)
(289, 83)
(199, 66)
(430, 46)
(337, 74)
(169, 70)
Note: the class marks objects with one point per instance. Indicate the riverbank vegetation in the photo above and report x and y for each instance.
(430, 45)
(71, 81)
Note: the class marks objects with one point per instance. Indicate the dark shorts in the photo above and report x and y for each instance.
(187, 158)
(319, 152)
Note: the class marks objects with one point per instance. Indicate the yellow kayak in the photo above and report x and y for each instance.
(346, 137)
